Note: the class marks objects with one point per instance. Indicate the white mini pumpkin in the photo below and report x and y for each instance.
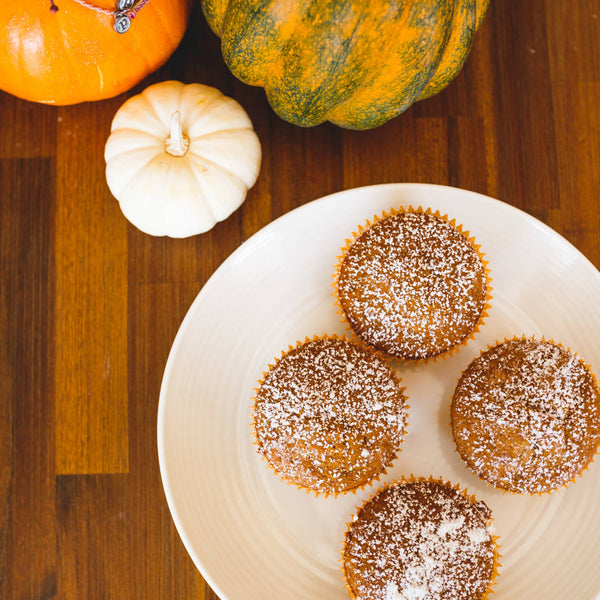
(180, 157)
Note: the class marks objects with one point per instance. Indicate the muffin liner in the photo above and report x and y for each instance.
(419, 209)
(413, 479)
(376, 478)
(505, 491)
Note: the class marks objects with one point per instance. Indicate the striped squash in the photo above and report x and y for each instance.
(356, 63)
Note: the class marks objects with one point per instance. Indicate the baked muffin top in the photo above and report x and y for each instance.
(412, 284)
(329, 415)
(526, 415)
(423, 540)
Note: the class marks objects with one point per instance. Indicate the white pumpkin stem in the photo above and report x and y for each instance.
(177, 143)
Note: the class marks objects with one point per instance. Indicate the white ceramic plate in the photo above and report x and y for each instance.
(253, 536)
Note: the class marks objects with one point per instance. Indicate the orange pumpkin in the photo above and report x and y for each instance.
(64, 52)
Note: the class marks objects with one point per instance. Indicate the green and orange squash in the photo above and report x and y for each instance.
(356, 63)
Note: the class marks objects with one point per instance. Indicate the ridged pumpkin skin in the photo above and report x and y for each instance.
(74, 55)
(356, 63)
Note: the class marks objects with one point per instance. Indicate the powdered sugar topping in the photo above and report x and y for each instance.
(419, 541)
(412, 285)
(330, 415)
(526, 415)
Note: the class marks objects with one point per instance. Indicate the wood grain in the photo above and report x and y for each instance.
(89, 305)
(91, 295)
(27, 434)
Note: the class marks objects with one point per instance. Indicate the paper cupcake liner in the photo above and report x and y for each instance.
(505, 491)
(477, 247)
(331, 492)
(496, 566)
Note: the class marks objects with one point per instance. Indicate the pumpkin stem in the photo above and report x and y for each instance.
(177, 143)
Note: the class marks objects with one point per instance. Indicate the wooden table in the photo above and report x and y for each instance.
(90, 305)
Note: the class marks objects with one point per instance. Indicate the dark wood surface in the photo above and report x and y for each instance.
(89, 305)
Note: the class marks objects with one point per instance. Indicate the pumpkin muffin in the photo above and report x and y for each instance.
(412, 284)
(329, 415)
(526, 416)
(420, 539)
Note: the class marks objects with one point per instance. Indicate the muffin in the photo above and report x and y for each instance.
(329, 415)
(421, 539)
(526, 416)
(412, 284)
